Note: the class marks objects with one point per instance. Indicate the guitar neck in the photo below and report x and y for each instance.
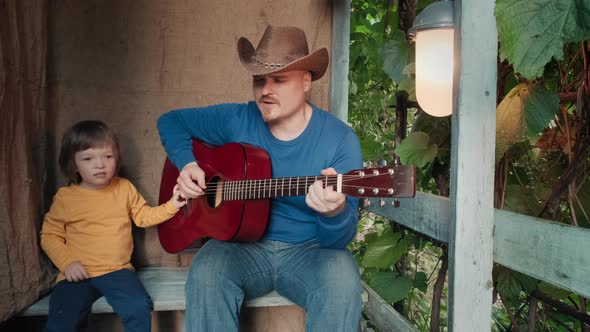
(271, 188)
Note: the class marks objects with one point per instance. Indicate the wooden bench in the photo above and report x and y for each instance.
(166, 288)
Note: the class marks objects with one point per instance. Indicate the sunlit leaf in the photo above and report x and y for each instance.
(408, 85)
(416, 149)
(385, 250)
(439, 130)
(531, 32)
(391, 287)
(510, 120)
(540, 108)
(395, 56)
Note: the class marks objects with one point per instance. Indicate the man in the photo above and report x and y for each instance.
(302, 255)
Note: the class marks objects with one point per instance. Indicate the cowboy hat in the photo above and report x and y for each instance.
(282, 49)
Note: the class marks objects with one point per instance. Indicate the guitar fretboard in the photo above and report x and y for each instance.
(271, 188)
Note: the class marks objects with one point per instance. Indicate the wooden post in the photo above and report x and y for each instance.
(472, 166)
(339, 58)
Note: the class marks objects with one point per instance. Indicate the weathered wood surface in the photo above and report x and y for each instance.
(472, 166)
(426, 214)
(382, 314)
(549, 251)
(339, 59)
(553, 252)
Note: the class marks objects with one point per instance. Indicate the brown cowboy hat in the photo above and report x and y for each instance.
(282, 49)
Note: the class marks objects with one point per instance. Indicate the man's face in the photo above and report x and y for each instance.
(280, 96)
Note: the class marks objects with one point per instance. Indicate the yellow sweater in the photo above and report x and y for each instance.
(93, 226)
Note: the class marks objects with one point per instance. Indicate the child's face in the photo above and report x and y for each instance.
(96, 166)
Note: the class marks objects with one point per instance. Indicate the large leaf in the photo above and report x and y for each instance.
(532, 32)
(519, 200)
(391, 287)
(408, 84)
(421, 282)
(507, 283)
(553, 291)
(510, 120)
(416, 149)
(395, 56)
(540, 108)
(385, 250)
(439, 131)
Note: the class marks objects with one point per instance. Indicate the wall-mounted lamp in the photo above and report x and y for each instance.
(433, 33)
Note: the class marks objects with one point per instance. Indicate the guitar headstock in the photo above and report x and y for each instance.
(389, 181)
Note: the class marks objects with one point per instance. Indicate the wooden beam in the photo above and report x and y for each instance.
(550, 251)
(339, 59)
(382, 314)
(472, 166)
(543, 249)
(426, 214)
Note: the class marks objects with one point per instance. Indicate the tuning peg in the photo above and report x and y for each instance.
(381, 202)
(367, 202)
(382, 162)
(395, 202)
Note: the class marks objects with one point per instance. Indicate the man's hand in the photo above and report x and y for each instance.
(186, 185)
(326, 201)
(75, 272)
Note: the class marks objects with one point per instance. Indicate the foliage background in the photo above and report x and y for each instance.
(542, 149)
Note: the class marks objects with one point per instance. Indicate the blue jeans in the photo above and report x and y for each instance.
(70, 302)
(325, 282)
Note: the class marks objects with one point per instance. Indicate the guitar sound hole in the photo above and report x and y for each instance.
(213, 191)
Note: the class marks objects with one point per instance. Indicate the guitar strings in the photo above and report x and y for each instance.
(263, 185)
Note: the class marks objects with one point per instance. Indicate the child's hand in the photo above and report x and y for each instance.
(76, 272)
(177, 200)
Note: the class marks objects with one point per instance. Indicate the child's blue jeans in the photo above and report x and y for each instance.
(324, 282)
(71, 302)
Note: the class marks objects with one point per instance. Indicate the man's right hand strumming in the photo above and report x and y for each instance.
(186, 181)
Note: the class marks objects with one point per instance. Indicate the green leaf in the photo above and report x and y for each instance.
(519, 200)
(439, 130)
(540, 108)
(395, 56)
(391, 287)
(527, 283)
(385, 250)
(507, 284)
(416, 150)
(531, 32)
(408, 85)
(553, 291)
(421, 282)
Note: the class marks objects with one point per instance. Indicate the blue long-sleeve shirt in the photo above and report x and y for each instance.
(325, 142)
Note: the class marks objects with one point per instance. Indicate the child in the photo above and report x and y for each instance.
(87, 232)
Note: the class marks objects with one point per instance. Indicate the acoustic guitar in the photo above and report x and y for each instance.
(236, 203)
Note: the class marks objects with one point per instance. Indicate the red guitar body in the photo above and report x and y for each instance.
(235, 220)
(236, 203)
